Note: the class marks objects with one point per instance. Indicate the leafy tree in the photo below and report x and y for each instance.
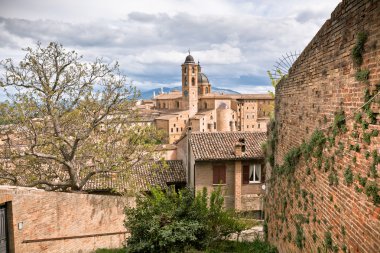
(71, 120)
(170, 221)
(274, 81)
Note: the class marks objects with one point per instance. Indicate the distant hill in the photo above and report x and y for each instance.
(148, 94)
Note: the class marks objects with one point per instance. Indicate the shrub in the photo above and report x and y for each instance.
(348, 176)
(362, 75)
(170, 221)
(328, 240)
(358, 50)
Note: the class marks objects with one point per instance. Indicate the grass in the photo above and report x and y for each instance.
(122, 250)
(256, 246)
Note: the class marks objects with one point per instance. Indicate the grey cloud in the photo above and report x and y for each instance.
(309, 15)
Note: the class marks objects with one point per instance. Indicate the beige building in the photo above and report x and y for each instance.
(197, 107)
(231, 160)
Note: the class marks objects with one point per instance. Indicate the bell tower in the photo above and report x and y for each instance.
(190, 85)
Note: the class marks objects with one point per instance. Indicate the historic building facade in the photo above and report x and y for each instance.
(197, 107)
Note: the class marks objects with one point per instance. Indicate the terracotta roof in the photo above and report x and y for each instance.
(141, 178)
(221, 145)
(237, 96)
(170, 95)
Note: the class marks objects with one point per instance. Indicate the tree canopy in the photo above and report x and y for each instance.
(71, 120)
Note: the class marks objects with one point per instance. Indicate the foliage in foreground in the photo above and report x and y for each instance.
(68, 116)
(256, 246)
(223, 246)
(170, 221)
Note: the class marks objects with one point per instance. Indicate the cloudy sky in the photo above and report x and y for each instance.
(236, 41)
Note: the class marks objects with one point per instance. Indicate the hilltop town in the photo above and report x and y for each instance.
(88, 166)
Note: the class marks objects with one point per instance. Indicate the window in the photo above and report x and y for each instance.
(206, 89)
(193, 70)
(258, 125)
(185, 81)
(171, 130)
(177, 129)
(193, 81)
(219, 174)
(199, 90)
(252, 173)
(247, 116)
(186, 93)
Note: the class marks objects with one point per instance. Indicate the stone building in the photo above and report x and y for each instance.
(196, 106)
(232, 160)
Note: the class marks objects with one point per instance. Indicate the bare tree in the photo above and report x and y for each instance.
(71, 120)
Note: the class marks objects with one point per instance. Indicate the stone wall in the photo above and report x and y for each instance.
(41, 221)
(329, 201)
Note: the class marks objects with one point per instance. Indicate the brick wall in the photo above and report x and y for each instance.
(303, 209)
(55, 215)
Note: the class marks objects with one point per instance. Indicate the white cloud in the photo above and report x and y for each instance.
(236, 41)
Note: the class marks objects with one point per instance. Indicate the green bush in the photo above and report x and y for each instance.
(256, 246)
(110, 251)
(358, 50)
(348, 176)
(170, 221)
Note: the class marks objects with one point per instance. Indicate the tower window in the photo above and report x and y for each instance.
(199, 90)
(258, 126)
(193, 70)
(206, 89)
(193, 81)
(186, 93)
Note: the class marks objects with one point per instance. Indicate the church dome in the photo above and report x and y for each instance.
(202, 79)
(189, 59)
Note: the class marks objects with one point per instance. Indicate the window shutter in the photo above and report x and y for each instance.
(215, 175)
(222, 174)
(245, 174)
(262, 174)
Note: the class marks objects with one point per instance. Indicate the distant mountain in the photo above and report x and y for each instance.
(148, 94)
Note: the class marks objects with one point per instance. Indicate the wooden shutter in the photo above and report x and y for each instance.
(262, 174)
(215, 175)
(245, 174)
(222, 174)
(219, 174)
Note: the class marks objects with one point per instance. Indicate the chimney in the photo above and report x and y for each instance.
(240, 147)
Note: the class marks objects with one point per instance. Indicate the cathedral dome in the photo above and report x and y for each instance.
(189, 59)
(202, 79)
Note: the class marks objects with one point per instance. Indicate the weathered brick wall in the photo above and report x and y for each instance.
(318, 200)
(55, 215)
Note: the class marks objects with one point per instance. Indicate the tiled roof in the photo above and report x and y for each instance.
(236, 96)
(221, 145)
(170, 95)
(141, 178)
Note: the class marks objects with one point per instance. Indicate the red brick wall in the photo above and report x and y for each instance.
(55, 215)
(320, 83)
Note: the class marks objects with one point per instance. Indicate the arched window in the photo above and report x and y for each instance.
(186, 93)
(164, 105)
(199, 90)
(185, 81)
(193, 81)
(193, 70)
(206, 106)
(206, 90)
(158, 105)
(177, 104)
